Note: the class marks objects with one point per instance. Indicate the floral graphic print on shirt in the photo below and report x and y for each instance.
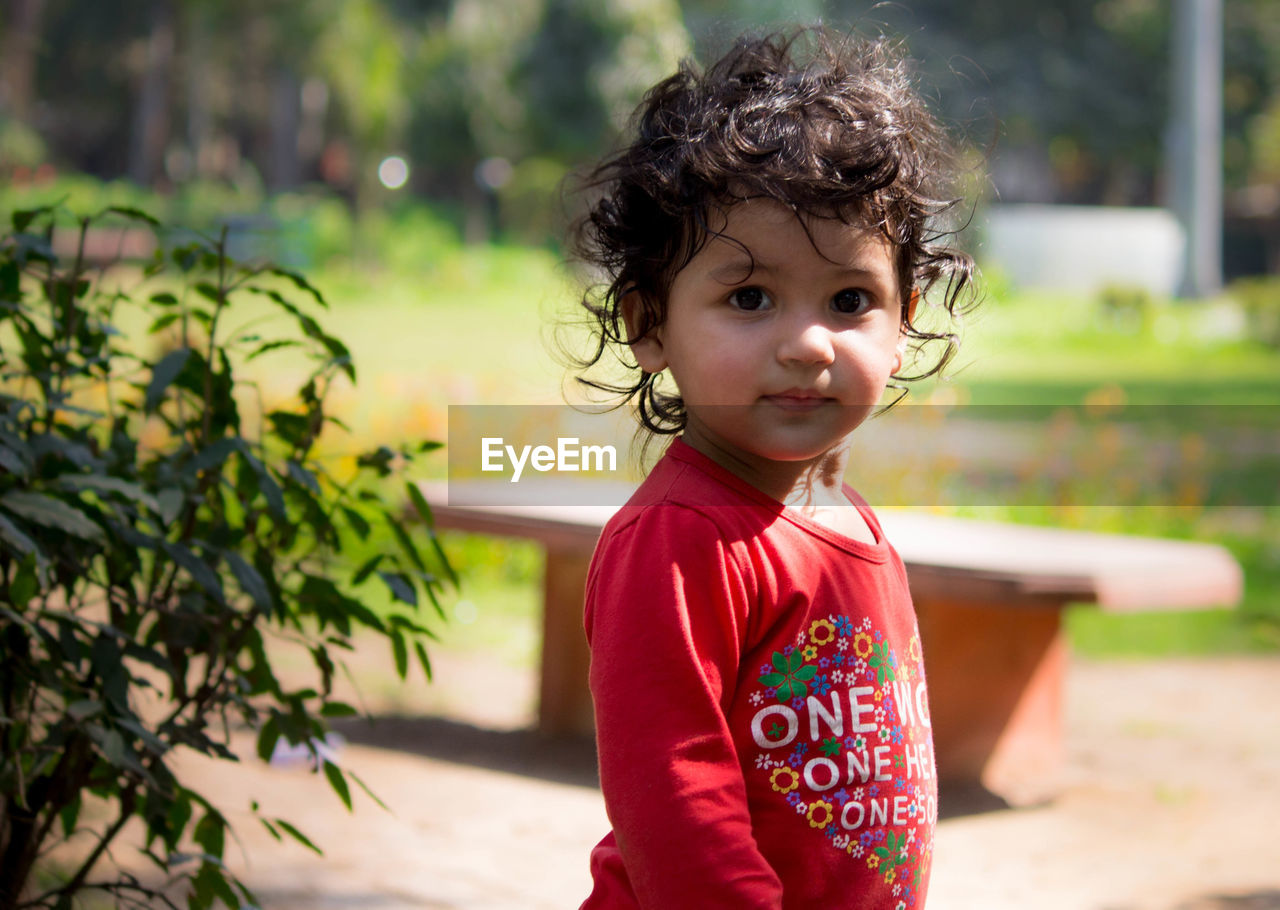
(842, 726)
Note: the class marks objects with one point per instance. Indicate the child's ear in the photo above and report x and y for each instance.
(907, 318)
(647, 349)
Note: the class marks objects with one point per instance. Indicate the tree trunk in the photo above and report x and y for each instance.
(286, 103)
(151, 116)
(18, 56)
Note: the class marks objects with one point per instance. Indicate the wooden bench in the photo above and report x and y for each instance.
(989, 597)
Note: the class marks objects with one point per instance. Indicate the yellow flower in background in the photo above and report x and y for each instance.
(862, 644)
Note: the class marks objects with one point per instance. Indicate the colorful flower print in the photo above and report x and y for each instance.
(790, 677)
(822, 632)
(837, 662)
(883, 662)
(820, 814)
(862, 644)
(784, 779)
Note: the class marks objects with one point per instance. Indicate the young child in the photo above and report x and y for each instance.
(761, 713)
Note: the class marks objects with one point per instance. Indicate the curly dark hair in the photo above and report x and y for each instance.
(828, 124)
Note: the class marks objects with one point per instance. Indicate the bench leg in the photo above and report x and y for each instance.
(995, 679)
(564, 697)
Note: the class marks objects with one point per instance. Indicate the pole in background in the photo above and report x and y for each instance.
(1195, 142)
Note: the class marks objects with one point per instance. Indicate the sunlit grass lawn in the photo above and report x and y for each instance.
(478, 327)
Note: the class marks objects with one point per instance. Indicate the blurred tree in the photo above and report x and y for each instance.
(21, 24)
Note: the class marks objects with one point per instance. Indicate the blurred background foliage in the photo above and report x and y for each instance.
(217, 105)
(411, 154)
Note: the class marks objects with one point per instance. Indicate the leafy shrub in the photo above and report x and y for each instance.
(1259, 298)
(156, 532)
(1129, 308)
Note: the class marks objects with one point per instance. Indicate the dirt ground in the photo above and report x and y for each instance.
(1169, 801)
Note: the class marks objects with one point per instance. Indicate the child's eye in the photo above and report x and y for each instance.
(849, 301)
(750, 300)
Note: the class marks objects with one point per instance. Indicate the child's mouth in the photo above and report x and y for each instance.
(797, 400)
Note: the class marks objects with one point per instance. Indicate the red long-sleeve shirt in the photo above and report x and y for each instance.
(761, 714)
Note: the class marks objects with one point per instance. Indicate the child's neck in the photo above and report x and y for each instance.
(813, 488)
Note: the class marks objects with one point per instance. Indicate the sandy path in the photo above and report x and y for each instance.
(1170, 801)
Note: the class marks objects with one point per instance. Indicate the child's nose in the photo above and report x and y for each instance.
(808, 342)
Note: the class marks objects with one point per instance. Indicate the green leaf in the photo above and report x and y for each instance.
(22, 218)
(249, 580)
(772, 679)
(12, 462)
(216, 453)
(51, 513)
(14, 537)
(420, 504)
(367, 792)
(266, 482)
(210, 833)
(292, 428)
(400, 587)
(200, 571)
(806, 673)
(785, 690)
(268, 736)
(797, 658)
(303, 476)
(301, 282)
(298, 836)
(444, 562)
(103, 483)
(399, 653)
(179, 817)
(271, 829)
(338, 782)
(84, 709)
(423, 660)
(162, 322)
(270, 346)
(367, 569)
(163, 375)
(357, 522)
(26, 582)
(780, 662)
(112, 745)
(164, 298)
(69, 815)
(131, 212)
(170, 501)
(882, 852)
(406, 544)
(209, 291)
(338, 709)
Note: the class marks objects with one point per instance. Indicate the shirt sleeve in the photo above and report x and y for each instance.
(665, 606)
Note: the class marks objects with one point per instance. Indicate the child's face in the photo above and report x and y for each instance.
(781, 362)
